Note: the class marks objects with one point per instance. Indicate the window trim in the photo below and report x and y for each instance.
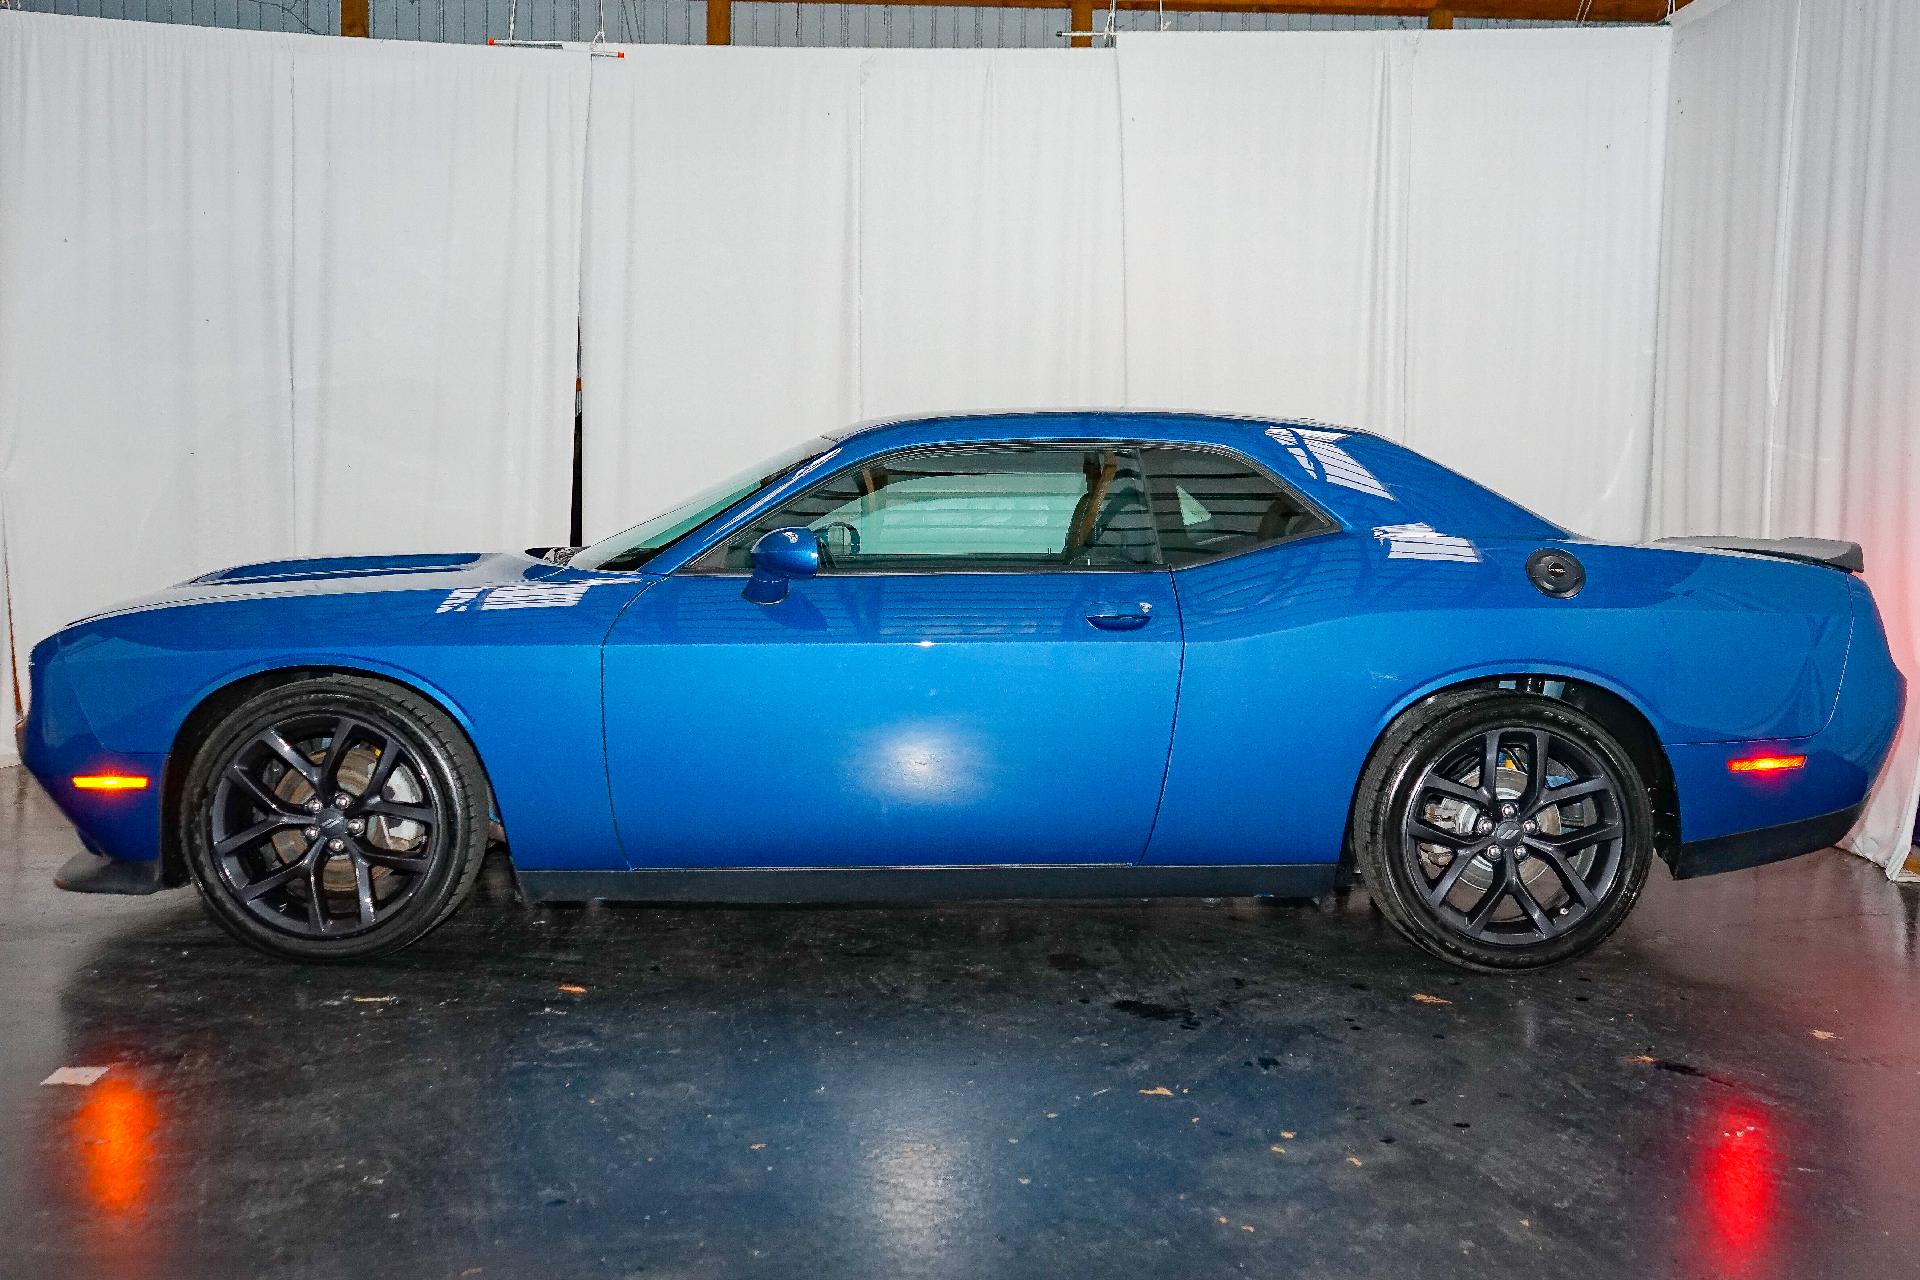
(1326, 525)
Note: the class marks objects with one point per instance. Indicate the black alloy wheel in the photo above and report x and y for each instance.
(334, 817)
(1502, 830)
(1515, 834)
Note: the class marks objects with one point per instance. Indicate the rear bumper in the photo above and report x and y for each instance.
(1768, 844)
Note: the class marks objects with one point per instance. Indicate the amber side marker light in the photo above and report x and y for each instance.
(110, 782)
(1765, 764)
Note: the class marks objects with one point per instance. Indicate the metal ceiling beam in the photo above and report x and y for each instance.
(1510, 10)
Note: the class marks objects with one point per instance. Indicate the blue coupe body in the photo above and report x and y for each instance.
(661, 731)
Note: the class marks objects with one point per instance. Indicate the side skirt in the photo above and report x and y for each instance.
(756, 885)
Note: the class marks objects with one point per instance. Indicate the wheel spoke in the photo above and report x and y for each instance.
(390, 755)
(1581, 837)
(394, 809)
(271, 739)
(1531, 905)
(409, 864)
(1536, 781)
(1462, 859)
(278, 878)
(1427, 833)
(1490, 767)
(329, 783)
(262, 796)
(1571, 878)
(363, 888)
(1490, 901)
(1573, 791)
(316, 888)
(255, 833)
(1437, 781)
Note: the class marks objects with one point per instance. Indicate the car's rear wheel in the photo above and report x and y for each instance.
(1502, 831)
(333, 818)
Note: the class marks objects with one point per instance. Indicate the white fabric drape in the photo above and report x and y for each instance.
(989, 246)
(783, 242)
(436, 249)
(265, 295)
(1788, 398)
(1450, 238)
(145, 258)
(717, 293)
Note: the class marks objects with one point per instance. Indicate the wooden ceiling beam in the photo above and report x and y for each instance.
(1510, 10)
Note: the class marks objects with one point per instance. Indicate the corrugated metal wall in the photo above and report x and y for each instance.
(685, 21)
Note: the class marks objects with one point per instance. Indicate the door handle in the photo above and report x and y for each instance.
(1121, 617)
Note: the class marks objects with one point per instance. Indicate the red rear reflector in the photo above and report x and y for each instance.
(1765, 764)
(110, 782)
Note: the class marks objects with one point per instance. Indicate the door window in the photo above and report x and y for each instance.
(984, 509)
(1208, 504)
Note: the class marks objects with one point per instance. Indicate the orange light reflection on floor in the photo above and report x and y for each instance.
(116, 1130)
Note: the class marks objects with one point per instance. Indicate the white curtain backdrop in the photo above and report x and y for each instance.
(782, 242)
(266, 295)
(1451, 238)
(145, 260)
(436, 248)
(1788, 398)
(717, 291)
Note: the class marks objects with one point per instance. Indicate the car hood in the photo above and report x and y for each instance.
(349, 575)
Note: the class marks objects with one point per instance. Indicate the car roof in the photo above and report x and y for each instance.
(1118, 419)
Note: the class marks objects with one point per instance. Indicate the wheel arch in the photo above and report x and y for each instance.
(1621, 716)
(214, 703)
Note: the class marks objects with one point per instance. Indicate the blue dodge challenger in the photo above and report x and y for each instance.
(1035, 654)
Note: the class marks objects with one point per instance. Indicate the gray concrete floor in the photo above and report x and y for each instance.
(1173, 1089)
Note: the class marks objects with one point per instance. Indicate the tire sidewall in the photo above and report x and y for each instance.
(437, 752)
(1395, 789)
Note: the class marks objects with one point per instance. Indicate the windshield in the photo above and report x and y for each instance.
(634, 547)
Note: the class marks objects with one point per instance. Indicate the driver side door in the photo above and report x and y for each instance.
(982, 673)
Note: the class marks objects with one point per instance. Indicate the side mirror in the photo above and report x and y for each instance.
(780, 556)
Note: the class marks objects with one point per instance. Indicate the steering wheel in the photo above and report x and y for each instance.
(824, 533)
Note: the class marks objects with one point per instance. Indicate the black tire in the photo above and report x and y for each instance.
(333, 818)
(1460, 872)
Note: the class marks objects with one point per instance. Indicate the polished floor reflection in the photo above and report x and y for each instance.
(1175, 1089)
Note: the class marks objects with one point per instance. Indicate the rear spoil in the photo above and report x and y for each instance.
(1831, 552)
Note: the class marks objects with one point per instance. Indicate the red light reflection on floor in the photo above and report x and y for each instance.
(1737, 1188)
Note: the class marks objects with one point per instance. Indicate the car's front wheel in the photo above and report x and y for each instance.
(1502, 830)
(333, 818)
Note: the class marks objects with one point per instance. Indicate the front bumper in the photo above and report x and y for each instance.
(91, 873)
(119, 829)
